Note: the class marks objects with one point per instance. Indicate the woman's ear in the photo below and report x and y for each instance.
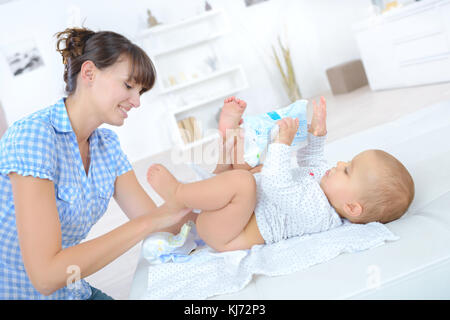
(88, 71)
(353, 209)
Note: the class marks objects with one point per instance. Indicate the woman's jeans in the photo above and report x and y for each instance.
(98, 295)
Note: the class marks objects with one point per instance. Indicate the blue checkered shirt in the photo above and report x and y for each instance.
(43, 145)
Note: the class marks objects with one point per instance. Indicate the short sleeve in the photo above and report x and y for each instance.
(120, 158)
(29, 148)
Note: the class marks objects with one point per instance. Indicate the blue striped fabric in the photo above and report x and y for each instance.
(43, 145)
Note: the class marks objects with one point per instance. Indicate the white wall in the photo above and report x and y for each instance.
(318, 32)
(325, 38)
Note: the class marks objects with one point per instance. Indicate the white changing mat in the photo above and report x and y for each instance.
(210, 273)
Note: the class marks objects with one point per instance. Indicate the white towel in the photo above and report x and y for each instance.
(209, 273)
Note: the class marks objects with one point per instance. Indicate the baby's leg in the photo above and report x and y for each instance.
(238, 155)
(249, 237)
(232, 148)
(227, 202)
(231, 114)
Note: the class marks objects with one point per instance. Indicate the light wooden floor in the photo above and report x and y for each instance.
(347, 114)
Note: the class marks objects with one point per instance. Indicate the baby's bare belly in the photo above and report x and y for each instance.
(252, 233)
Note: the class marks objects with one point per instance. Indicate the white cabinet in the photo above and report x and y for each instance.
(193, 72)
(408, 46)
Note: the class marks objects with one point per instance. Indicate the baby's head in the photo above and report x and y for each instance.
(373, 186)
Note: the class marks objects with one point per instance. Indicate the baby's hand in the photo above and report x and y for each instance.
(318, 126)
(256, 169)
(288, 129)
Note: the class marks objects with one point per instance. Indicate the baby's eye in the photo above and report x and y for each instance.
(127, 86)
(345, 170)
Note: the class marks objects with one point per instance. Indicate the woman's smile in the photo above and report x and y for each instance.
(124, 111)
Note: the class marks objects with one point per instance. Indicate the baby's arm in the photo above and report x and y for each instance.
(277, 166)
(312, 154)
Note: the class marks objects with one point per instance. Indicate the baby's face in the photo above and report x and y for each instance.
(344, 183)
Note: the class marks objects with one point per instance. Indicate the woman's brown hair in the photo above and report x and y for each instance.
(103, 48)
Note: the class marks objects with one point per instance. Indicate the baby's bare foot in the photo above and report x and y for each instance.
(231, 114)
(164, 183)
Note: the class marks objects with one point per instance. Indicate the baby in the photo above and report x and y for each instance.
(240, 209)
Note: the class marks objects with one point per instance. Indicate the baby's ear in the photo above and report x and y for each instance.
(353, 210)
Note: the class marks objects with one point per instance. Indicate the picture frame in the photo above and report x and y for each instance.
(22, 56)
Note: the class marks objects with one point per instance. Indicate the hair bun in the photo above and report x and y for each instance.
(74, 40)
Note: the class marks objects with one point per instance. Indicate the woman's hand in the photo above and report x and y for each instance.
(288, 129)
(167, 219)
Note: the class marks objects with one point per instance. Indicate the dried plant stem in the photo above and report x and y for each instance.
(289, 80)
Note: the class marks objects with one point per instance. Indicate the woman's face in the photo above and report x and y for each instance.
(113, 94)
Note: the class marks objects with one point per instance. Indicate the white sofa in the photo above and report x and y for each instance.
(415, 267)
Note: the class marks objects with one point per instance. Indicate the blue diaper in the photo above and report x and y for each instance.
(260, 130)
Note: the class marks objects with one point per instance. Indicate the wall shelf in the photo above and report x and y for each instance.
(200, 142)
(207, 100)
(187, 45)
(192, 74)
(200, 80)
(163, 28)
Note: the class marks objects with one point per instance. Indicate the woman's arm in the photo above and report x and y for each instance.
(131, 197)
(39, 233)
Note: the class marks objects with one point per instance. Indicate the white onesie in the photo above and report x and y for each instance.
(290, 201)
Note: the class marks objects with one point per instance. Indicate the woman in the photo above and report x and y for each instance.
(58, 171)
